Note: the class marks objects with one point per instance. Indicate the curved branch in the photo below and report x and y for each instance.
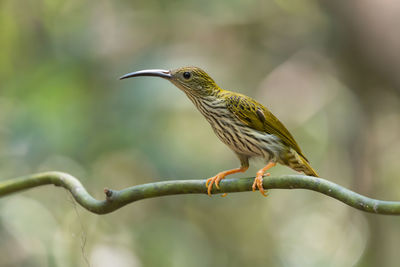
(116, 199)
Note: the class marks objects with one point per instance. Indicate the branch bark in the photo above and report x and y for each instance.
(116, 199)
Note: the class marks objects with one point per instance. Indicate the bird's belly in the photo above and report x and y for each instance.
(247, 141)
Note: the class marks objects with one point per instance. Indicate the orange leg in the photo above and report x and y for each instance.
(215, 180)
(259, 178)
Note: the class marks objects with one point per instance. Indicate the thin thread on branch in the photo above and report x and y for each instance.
(116, 199)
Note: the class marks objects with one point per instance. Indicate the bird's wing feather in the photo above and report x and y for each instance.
(258, 117)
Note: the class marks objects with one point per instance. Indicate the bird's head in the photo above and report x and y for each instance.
(192, 80)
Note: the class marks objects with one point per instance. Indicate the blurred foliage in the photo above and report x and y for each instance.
(328, 69)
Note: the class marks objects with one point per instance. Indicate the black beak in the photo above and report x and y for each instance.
(154, 73)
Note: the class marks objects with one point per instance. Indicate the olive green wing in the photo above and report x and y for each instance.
(258, 117)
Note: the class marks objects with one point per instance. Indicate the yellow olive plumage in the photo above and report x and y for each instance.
(242, 123)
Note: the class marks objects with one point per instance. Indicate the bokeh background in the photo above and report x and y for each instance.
(328, 69)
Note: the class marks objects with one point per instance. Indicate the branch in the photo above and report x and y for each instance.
(117, 199)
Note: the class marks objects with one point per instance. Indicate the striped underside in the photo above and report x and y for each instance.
(242, 139)
(239, 137)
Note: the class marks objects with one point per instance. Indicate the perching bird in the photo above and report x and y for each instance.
(240, 122)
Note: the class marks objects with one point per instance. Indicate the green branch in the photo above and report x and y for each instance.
(116, 199)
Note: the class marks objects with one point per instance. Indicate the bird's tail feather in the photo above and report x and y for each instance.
(307, 169)
(301, 164)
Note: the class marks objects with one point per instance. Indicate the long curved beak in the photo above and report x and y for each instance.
(155, 73)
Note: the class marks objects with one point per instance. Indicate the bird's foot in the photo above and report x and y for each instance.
(217, 178)
(214, 180)
(258, 183)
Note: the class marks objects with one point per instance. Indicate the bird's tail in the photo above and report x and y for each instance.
(307, 169)
(300, 163)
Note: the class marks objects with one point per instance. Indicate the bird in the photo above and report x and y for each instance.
(247, 127)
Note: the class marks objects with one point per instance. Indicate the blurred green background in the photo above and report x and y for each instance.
(328, 69)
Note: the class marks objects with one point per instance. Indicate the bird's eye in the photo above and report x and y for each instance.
(186, 75)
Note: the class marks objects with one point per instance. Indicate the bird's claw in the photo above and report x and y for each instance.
(213, 180)
(217, 178)
(258, 183)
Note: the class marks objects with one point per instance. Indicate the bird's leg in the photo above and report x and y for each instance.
(259, 178)
(217, 178)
